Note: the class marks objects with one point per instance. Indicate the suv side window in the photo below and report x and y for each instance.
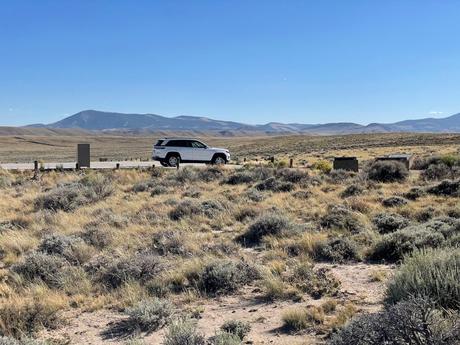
(197, 145)
(178, 143)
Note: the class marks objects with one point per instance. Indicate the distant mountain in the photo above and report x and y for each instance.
(93, 120)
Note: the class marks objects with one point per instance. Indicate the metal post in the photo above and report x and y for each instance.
(291, 163)
(77, 166)
(178, 163)
(117, 166)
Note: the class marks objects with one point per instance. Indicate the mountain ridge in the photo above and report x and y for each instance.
(94, 120)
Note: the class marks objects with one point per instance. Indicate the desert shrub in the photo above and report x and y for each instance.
(274, 185)
(239, 328)
(224, 277)
(112, 272)
(352, 190)
(109, 217)
(170, 242)
(436, 172)
(392, 247)
(185, 208)
(302, 318)
(446, 188)
(292, 175)
(338, 250)
(211, 173)
(97, 237)
(157, 288)
(389, 222)
(158, 190)
(387, 171)
(271, 224)
(340, 176)
(394, 201)
(412, 322)
(150, 315)
(323, 166)
(211, 208)
(5, 179)
(23, 317)
(254, 195)
(317, 283)
(224, 338)
(184, 175)
(142, 186)
(414, 193)
(428, 273)
(183, 332)
(301, 194)
(339, 217)
(68, 197)
(246, 213)
(240, 177)
(71, 248)
(192, 193)
(37, 266)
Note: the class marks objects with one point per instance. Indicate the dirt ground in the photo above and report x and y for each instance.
(357, 287)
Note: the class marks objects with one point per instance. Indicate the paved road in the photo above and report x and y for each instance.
(94, 165)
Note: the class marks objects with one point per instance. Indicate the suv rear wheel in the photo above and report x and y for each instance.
(173, 160)
(218, 159)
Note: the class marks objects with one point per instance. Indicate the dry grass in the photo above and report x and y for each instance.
(117, 249)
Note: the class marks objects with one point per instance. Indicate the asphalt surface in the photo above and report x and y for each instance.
(94, 165)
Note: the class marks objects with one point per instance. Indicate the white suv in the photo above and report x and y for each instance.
(171, 151)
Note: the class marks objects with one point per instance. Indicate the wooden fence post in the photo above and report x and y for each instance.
(291, 163)
(117, 166)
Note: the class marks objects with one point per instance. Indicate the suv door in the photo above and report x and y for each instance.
(182, 147)
(200, 151)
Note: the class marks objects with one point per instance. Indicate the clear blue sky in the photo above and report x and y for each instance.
(251, 61)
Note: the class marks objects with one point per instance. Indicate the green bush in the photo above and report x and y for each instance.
(224, 277)
(394, 201)
(389, 222)
(387, 171)
(392, 247)
(323, 166)
(183, 332)
(271, 224)
(224, 338)
(338, 250)
(239, 328)
(446, 188)
(150, 315)
(412, 322)
(352, 190)
(36, 266)
(112, 272)
(429, 273)
(274, 185)
(68, 197)
(339, 217)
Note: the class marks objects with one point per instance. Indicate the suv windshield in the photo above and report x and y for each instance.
(159, 143)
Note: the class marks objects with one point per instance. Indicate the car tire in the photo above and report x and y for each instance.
(173, 160)
(219, 160)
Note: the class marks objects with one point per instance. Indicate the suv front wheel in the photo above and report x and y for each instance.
(219, 160)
